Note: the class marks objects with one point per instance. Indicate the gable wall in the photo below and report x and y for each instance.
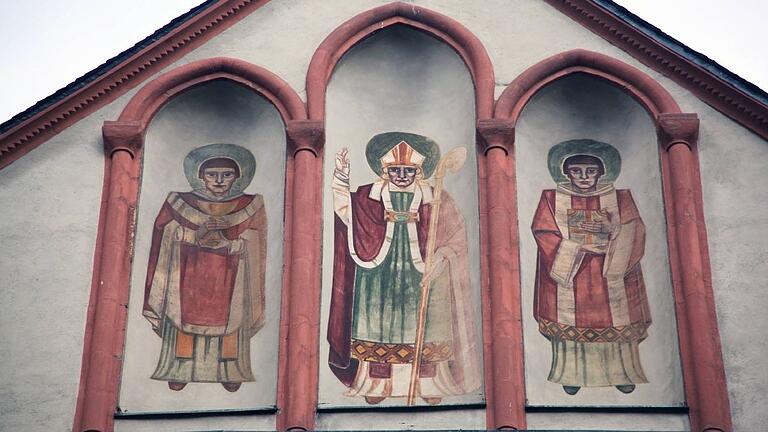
(50, 200)
(282, 37)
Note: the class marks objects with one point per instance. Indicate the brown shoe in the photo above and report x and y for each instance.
(176, 386)
(373, 400)
(433, 400)
(231, 387)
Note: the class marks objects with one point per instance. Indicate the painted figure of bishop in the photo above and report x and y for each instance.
(380, 241)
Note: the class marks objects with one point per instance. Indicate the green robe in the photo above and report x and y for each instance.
(387, 297)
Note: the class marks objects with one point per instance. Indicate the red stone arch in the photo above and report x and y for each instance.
(700, 350)
(502, 338)
(145, 104)
(443, 28)
(649, 93)
(123, 147)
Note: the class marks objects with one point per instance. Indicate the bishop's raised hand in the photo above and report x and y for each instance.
(342, 161)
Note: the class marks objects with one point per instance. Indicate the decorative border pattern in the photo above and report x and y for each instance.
(32, 132)
(627, 333)
(378, 352)
(717, 93)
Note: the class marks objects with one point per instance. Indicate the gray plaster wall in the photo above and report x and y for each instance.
(50, 200)
(733, 162)
(37, 392)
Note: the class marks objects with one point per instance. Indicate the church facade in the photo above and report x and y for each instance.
(373, 215)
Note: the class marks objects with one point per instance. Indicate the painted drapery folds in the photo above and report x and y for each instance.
(204, 292)
(401, 323)
(590, 299)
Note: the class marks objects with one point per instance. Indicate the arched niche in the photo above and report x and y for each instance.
(209, 101)
(676, 138)
(580, 106)
(218, 111)
(502, 334)
(401, 79)
(442, 27)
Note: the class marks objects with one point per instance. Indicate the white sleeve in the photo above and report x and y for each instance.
(341, 198)
(567, 262)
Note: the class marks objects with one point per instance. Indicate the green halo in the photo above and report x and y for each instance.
(605, 152)
(382, 143)
(242, 156)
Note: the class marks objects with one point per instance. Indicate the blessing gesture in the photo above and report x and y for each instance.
(342, 162)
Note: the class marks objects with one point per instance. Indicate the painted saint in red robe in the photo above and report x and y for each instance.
(380, 241)
(590, 299)
(205, 279)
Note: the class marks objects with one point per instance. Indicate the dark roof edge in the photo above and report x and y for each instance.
(104, 68)
(684, 51)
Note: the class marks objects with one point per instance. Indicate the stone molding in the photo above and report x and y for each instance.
(27, 135)
(719, 94)
(49, 121)
(649, 93)
(443, 28)
(122, 136)
(678, 128)
(306, 135)
(495, 133)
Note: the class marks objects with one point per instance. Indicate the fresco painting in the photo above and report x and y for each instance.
(590, 298)
(402, 321)
(204, 292)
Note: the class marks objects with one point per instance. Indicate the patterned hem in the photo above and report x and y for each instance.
(627, 333)
(379, 352)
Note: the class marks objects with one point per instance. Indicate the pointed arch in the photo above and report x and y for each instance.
(148, 101)
(649, 93)
(443, 28)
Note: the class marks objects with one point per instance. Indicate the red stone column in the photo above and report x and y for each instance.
(505, 381)
(305, 139)
(704, 376)
(122, 144)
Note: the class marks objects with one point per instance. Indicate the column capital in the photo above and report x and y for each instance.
(496, 133)
(305, 135)
(122, 135)
(678, 128)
